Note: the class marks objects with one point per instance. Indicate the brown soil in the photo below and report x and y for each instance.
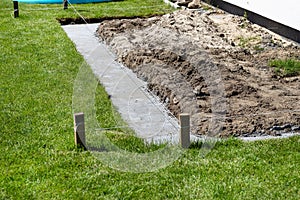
(214, 66)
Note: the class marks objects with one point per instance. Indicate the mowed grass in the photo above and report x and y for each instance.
(38, 65)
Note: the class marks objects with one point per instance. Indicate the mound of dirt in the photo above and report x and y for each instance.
(214, 66)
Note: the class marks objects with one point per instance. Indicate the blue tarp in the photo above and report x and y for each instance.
(60, 1)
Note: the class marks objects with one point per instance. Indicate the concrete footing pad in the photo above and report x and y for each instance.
(139, 108)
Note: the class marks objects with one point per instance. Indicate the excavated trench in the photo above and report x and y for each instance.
(214, 66)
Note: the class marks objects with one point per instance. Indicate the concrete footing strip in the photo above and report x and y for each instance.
(142, 111)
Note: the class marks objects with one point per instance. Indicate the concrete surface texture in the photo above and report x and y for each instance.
(142, 111)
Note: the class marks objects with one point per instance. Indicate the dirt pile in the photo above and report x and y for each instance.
(214, 66)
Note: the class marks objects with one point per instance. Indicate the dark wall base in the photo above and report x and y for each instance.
(270, 24)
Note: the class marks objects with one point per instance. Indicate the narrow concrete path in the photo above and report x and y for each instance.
(142, 111)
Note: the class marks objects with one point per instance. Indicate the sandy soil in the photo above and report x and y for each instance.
(214, 66)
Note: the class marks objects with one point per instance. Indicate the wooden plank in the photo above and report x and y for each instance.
(16, 9)
(184, 138)
(65, 4)
(79, 130)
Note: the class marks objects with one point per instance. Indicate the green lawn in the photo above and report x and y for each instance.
(38, 66)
